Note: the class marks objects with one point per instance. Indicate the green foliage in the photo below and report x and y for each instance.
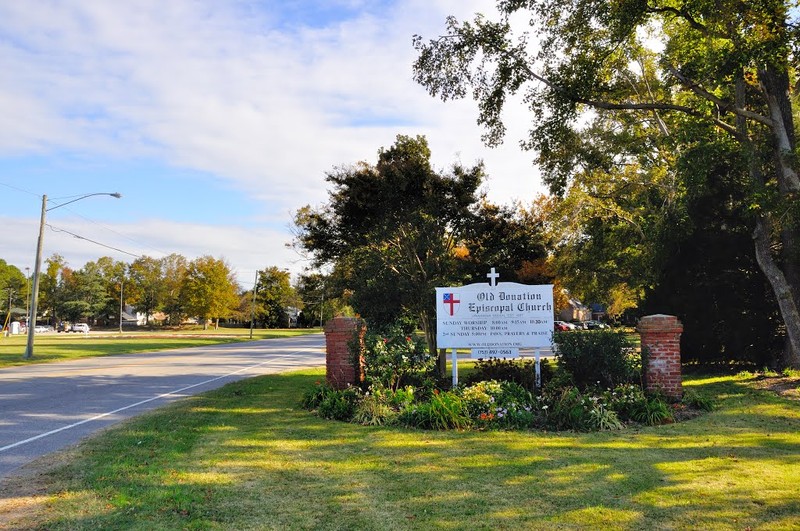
(334, 404)
(274, 294)
(601, 358)
(339, 404)
(481, 398)
(389, 230)
(654, 177)
(444, 411)
(313, 397)
(522, 372)
(505, 404)
(695, 400)
(391, 358)
(600, 418)
(625, 399)
(566, 409)
(374, 410)
(652, 411)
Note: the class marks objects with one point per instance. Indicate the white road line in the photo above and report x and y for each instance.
(163, 395)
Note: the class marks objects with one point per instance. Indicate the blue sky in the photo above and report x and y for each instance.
(214, 120)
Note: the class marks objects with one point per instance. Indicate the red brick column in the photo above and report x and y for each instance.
(339, 332)
(661, 337)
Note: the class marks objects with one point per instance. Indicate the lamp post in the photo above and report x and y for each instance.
(38, 265)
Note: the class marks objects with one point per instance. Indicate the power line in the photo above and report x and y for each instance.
(109, 229)
(56, 229)
(18, 189)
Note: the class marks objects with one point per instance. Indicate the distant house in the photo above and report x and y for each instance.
(575, 311)
(130, 317)
(598, 311)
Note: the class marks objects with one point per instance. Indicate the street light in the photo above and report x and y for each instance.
(38, 265)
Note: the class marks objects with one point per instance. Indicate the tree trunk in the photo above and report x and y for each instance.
(783, 292)
(775, 85)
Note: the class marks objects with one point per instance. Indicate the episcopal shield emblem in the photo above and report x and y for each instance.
(451, 303)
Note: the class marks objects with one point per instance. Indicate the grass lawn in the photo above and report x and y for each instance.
(246, 457)
(56, 347)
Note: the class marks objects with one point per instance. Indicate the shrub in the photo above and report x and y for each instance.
(522, 372)
(625, 399)
(339, 405)
(652, 411)
(391, 358)
(373, 410)
(444, 411)
(600, 358)
(601, 418)
(566, 409)
(314, 396)
(480, 397)
(400, 398)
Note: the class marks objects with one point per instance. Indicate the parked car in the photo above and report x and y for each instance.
(79, 327)
(595, 325)
(39, 329)
(561, 326)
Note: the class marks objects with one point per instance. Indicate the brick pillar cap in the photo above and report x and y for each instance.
(659, 323)
(343, 323)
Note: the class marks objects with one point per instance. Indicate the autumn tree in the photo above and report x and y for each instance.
(210, 290)
(173, 269)
(722, 65)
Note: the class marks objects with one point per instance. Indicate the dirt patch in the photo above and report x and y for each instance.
(785, 386)
(25, 495)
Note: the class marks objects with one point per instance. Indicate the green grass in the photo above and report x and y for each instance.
(246, 457)
(57, 347)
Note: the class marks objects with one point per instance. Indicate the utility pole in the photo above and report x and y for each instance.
(37, 266)
(121, 285)
(28, 294)
(253, 305)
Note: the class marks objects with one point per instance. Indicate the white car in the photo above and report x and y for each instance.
(79, 327)
(39, 329)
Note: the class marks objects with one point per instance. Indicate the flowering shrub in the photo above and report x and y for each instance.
(493, 404)
(391, 358)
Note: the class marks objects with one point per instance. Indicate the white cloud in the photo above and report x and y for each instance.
(212, 86)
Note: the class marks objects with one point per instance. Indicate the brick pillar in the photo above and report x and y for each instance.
(340, 371)
(661, 336)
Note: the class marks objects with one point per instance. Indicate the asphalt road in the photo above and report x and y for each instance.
(47, 407)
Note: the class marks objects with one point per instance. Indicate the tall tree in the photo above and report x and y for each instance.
(113, 273)
(275, 294)
(52, 288)
(390, 229)
(12, 288)
(210, 290)
(724, 64)
(146, 285)
(174, 269)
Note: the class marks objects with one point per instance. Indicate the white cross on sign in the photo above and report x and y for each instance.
(493, 277)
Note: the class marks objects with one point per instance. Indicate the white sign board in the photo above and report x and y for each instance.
(504, 315)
